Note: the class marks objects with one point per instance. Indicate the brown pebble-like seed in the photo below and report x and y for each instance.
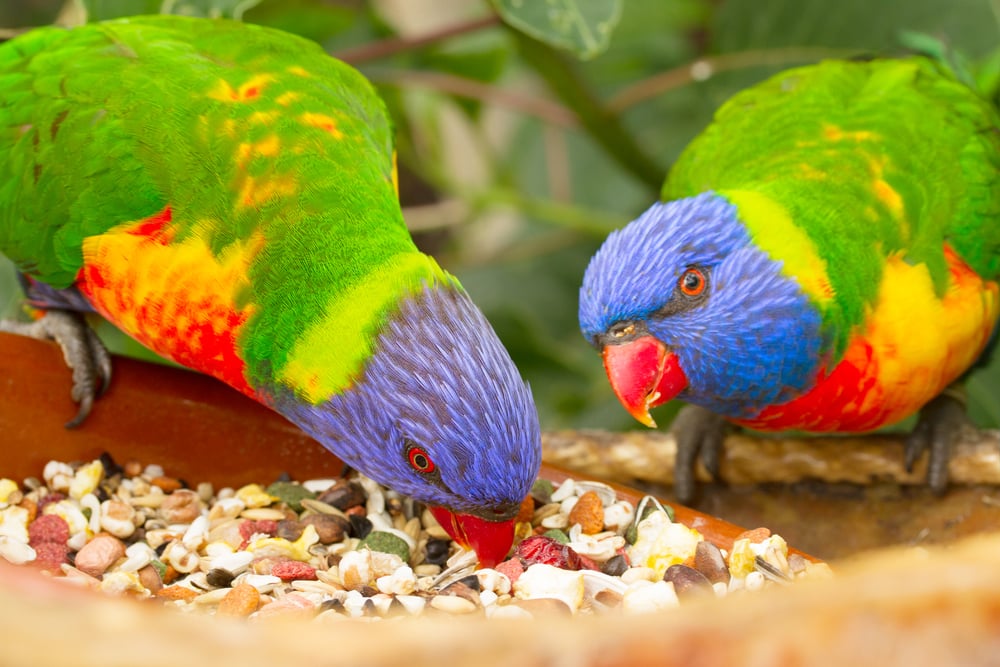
(289, 529)
(589, 513)
(343, 495)
(709, 561)
(242, 600)
(149, 577)
(540, 607)
(181, 506)
(99, 554)
(329, 527)
(166, 484)
(132, 468)
(756, 535)
(688, 581)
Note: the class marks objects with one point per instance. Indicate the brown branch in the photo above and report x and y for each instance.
(703, 68)
(393, 45)
(649, 457)
(550, 112)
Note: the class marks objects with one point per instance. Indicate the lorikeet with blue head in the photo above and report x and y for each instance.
(225, 194)
(825, 259)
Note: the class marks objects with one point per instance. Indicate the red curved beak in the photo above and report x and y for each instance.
(491, 540)
(643, 374)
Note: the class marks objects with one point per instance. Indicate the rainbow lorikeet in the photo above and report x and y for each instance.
(826, 260)
(225, 194)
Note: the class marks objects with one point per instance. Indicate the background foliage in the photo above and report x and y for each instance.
(528, 129)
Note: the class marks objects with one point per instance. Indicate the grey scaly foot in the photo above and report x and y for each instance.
(938, 429)
(85, 354)
(697, 431)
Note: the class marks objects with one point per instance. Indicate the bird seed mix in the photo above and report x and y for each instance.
(348, 548)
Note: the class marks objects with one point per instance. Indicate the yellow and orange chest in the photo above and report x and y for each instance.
(914, 344)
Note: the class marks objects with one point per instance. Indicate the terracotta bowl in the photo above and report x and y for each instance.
(924, 609)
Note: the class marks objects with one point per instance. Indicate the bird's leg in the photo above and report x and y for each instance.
(84, 352)
(938, 428)
(696, 431)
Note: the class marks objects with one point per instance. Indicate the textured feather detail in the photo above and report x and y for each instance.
(913, 346)
(869, 159)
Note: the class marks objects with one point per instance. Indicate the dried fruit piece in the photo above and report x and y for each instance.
(547, 551)
(287, 570)
(242, 600)
(46, 529)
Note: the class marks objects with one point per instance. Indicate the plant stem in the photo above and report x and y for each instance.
(600, 122)
(705, 67)
(548, 111)
(393, 45)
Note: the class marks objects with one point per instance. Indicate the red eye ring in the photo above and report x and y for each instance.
(692, 282)
(419, 460)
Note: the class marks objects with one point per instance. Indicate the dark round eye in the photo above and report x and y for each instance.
(692, 283)
(419, 460)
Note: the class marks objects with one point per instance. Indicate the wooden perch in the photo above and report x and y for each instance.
(649, 457)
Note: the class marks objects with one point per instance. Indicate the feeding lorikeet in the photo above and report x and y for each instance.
(825, 259)
(225, 194)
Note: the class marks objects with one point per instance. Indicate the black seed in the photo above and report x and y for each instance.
(219, 578)
(437, 551)
(360, 526)
(615, 566)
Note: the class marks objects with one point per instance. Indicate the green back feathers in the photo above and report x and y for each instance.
(251, 136)
(865, 159)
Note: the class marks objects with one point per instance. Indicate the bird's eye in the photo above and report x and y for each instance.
(692, 282)
(419, 459)
(627, 330)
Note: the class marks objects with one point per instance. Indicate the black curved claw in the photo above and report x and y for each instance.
(939, 427)
(697, 431)
(83, 351)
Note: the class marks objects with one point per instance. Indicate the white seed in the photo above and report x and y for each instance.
(754, 581)
(356, 569)
(649, 597)
(120, 583)
(318, 485)
(507, 612)
(493, 581)
(236, 562)
(619, 515)
(57, 476)
(401, 582)
(118, 518)
(488, 598)
(547, 581)
(14, 523)
(413, 604)
(196, 534)
(226, 508)
(634, 574)
(211, 597)
(262, 582)
(556, 521)
(77, 541)
(603, 491)
(565, 490)
(453, 604)
(16, 551)
(180, 557)
(263, 514)
(137, 556)
(90, 502)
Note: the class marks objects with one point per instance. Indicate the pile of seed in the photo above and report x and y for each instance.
(348, 548)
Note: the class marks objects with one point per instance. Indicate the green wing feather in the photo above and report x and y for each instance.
(867, 158)
(242, 131)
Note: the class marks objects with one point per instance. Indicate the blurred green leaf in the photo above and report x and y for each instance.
(583, 27)
(100, 10)
(315, 21)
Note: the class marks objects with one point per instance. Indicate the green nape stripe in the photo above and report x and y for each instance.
(331, 353)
